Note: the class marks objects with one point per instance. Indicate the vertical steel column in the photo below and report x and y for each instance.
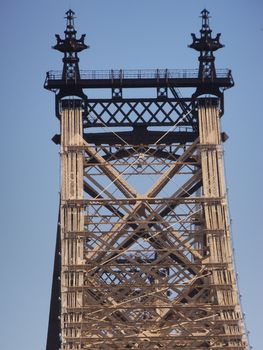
(72, 217)
(217, 225)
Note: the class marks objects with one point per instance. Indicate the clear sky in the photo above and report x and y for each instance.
(122, 34)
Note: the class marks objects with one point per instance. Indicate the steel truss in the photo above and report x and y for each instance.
(143, 256)
(145, 242)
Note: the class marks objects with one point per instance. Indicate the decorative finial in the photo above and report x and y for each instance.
(70, 15)
(206, 45)
(70, 46)
(205, 20)
(70, 43)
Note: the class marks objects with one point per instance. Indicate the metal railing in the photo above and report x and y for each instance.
(120, 74)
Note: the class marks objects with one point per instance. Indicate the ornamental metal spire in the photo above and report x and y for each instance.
(206, 45)
(70, 46)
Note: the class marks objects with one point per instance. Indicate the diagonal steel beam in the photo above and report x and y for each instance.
(156, 188)
(139, 232)
(116, 233)
(168, 175)
(113, 175)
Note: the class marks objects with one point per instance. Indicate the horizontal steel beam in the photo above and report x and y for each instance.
(176, 200)
(136, 137)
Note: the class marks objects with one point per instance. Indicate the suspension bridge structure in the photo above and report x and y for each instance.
(143, 255)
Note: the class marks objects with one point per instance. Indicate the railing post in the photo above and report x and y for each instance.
(166, 75)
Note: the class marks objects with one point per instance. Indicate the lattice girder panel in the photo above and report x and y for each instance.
(139, 112)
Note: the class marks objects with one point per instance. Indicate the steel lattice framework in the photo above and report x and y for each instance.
(143, 255)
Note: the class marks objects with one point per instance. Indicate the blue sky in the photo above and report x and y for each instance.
(122, 34)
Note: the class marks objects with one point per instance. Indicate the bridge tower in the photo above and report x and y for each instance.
(143, 256)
